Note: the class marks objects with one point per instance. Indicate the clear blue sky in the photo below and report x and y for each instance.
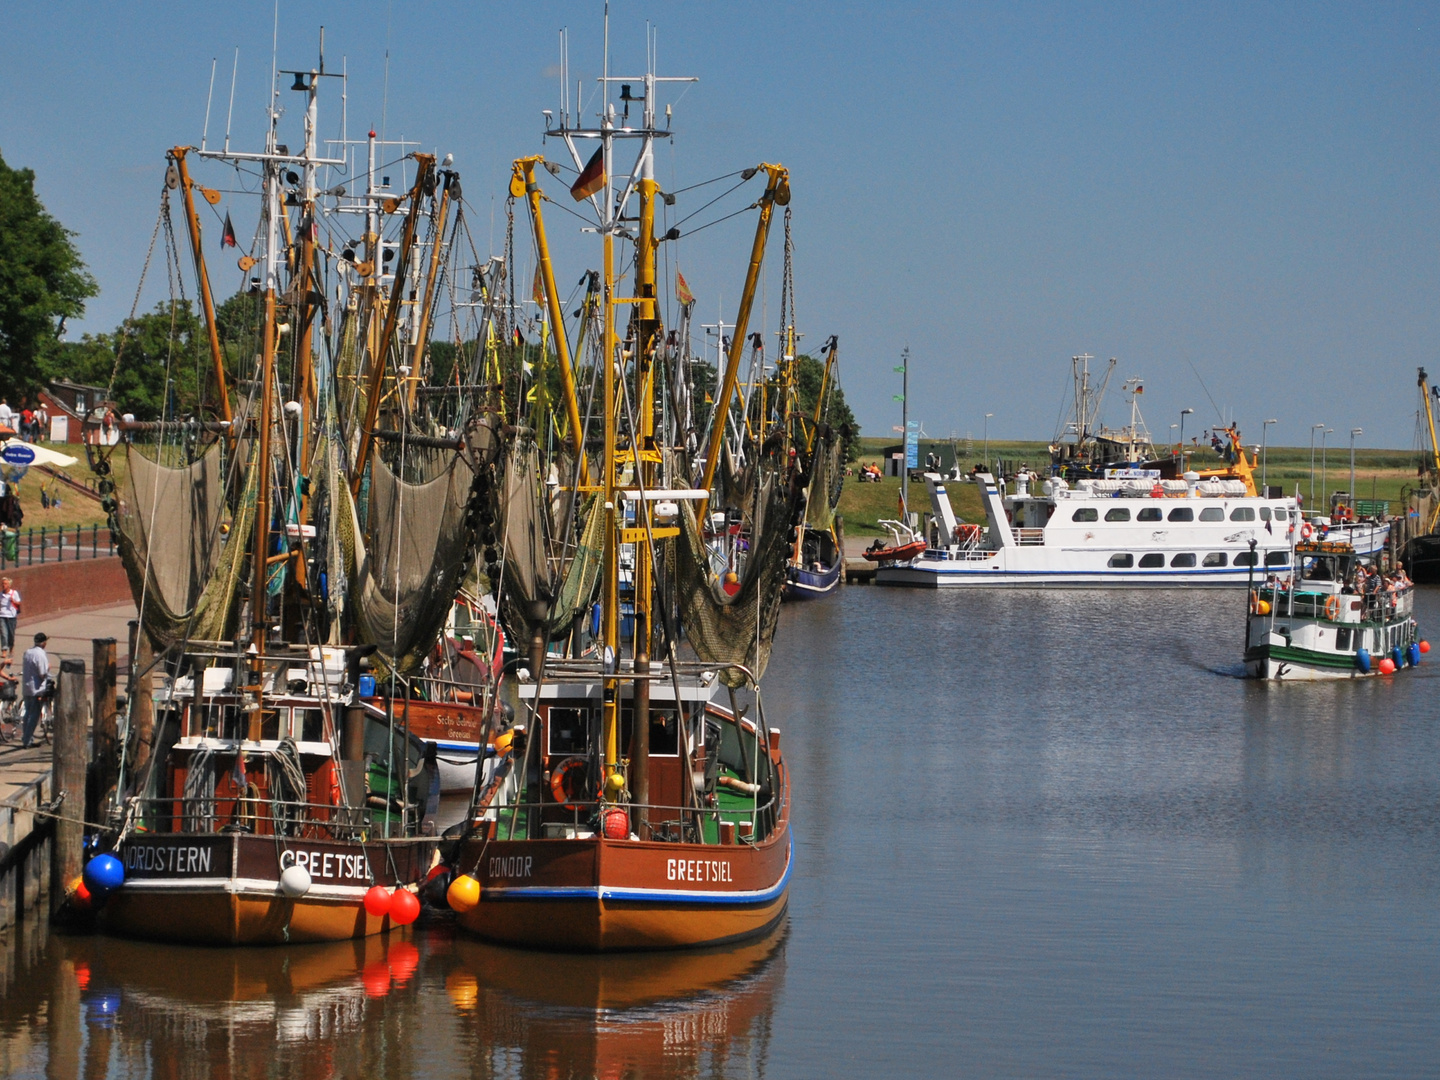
(1248, 188)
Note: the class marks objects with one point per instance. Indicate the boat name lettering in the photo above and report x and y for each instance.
(169, 859)
(697, 870)
(510, 866)
(327, 864)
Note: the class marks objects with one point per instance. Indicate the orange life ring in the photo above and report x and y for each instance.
(1332, 609)
(567, 782)
(1306, 531)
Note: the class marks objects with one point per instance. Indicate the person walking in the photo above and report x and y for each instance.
(9, 612)
(34, 682)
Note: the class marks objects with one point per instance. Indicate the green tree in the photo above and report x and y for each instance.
(162, 345)
(42, 282)
(809, 374)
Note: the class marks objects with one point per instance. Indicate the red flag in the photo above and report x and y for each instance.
(591, 179)
(682, 289)
(227, 238)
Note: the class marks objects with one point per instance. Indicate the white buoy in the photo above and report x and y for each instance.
(295, 881)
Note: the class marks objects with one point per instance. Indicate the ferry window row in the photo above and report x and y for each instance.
(1185, 559)
(1180, 513)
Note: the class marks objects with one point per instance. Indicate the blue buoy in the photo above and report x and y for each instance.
(104, 873)
(1398, 657)
(1362, 661)
(1412, 654)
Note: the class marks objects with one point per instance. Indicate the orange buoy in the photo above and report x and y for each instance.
(463, 894)
(1387, 666)
(1424, 646)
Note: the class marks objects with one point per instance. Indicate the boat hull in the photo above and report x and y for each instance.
(1280, 664)
(993, 574)
(802, 584)
(208, 889)
(599, 895)
(1422, 559)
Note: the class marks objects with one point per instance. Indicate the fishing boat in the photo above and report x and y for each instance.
(1334, 616)
(293, 562)
(1128, 530)
(1421, 552)
(642, 799)
(817, 563)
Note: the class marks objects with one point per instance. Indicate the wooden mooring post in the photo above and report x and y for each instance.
(104, 733)
(68, 771)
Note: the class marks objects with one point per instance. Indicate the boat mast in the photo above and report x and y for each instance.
(202, 276)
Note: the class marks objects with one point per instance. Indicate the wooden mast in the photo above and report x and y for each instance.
(202, 276)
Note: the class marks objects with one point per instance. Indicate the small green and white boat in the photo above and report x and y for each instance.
(1335, 615)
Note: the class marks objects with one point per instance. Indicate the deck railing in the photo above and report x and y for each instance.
(56, 543)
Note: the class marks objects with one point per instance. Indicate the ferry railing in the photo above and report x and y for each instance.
(54, 544)
(1029, 537)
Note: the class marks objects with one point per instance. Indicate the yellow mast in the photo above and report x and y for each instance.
(202, 276)
(427, 300)
(1434, 445)
(522, 182)
(777, 193)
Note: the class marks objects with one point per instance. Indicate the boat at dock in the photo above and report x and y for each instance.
(294, 563)
(641, 801)
(1131, 529)
(1334, 616)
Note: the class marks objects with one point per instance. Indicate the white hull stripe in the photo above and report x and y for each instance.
(651, 896)
(258, 888)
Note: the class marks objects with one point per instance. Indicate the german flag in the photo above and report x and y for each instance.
(591, 179)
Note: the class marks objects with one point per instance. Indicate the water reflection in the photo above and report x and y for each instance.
(425, 1003)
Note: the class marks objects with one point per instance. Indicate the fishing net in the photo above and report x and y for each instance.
(735, 629)
(183, 572)
(826, 478)
(409, 561)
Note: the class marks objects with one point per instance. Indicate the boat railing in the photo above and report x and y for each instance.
(1029, 537)
(262, 816)
(664, 822)
(958, 554)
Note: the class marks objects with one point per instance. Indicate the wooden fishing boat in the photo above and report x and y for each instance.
(637, 804)
(282, 771)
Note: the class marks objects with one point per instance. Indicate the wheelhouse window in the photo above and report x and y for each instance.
(1149, 513)
(1122, 561)
(1152, 560)
(1342, 639)
(1264, 513)
(1246, 558)
(569, 730)
(1086, 513)
(1214, 558)
(1117, 513)
(1243, 513)
(1183, 559)
(1282, 515)
(1212, 513)
(1182, 513)
(1277, 558)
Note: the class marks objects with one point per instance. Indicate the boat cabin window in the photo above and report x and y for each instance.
(569, 730)
(1149, 513)
(664, 731)
(1264, 513)
(1182, 513)
(1212, 513)
(1246, 558)
(1342, 639)
(1117, 513)
(1243, 513)
(1152, 560)
(1183, 559)
(308, 725)
(1123, 561)
(1277, 558)
(1282, 515)
(1215, 558)
(1086, 513)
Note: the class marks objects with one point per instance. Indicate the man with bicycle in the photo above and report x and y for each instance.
(34, 685)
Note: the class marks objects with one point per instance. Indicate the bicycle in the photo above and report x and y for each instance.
(12, 720)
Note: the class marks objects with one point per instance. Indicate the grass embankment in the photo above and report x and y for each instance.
(1379, 474)
(74, 509)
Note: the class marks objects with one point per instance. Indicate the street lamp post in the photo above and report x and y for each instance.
(1313, 428)
(1328, 431)
(1265, 458)
(987, 442)
(1353, 432)
(1183, 413)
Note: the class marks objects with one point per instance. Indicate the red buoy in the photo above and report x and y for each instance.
(1424, 646)
(1387, 666)
(617, 824)
(404, 907)
(377, 901)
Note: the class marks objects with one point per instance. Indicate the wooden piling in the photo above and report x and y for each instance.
(68, 770)
(139, 689)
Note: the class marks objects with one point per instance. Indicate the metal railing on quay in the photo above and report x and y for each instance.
(68, 543)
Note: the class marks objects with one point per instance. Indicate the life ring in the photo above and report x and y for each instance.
(1306, 531)
(1332, 608)
(567, 782)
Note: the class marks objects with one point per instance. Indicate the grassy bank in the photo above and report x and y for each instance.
(74, 509)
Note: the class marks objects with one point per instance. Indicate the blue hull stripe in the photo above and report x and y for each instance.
(649, 896)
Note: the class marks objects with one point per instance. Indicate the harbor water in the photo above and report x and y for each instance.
(1037, 834)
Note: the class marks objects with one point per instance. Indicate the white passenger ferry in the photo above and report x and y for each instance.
(1130, 529)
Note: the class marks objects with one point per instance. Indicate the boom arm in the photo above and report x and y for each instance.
(202, 275)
